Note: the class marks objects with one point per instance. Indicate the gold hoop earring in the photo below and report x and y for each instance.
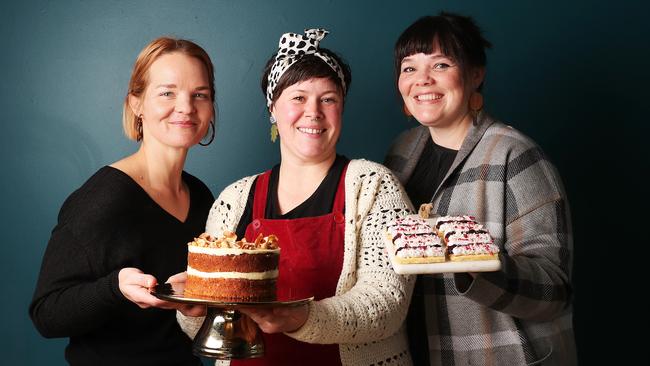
(138, 128)
(211, 136)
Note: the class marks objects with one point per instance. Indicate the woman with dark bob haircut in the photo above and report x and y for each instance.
(463, 161)
(329, 213)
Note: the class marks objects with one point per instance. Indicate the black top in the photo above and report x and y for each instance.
(429, 172)
(427, 176)
(108, 224)
(318, 204)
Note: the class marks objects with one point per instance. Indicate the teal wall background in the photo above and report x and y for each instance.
(572, 75)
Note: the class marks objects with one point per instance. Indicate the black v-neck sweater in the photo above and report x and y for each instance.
(108, 224)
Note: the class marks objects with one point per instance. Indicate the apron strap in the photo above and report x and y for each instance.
(339, 199)
(261, 191)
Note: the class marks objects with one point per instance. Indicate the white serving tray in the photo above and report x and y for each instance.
(442, 267)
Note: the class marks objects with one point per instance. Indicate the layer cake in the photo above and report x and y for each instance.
(231, 270)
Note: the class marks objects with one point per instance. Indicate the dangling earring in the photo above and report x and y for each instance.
(274, 128)
(138, 128)
(211, 136)
(475, 103)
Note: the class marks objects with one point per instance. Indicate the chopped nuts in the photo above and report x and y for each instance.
(229, 240)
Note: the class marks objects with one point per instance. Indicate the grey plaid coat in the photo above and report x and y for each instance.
(521, 314)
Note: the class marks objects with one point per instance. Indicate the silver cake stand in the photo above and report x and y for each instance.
(225, 333)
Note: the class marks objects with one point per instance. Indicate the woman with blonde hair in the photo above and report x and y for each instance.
(126, 228)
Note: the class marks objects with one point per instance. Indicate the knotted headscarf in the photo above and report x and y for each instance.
(291, 48)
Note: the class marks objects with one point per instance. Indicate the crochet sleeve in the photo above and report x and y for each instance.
(372, 300)
(229, 207)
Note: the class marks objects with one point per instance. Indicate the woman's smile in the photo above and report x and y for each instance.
(428, 97)
(311, 131)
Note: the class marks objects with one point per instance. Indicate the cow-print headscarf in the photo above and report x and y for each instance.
(291, 48)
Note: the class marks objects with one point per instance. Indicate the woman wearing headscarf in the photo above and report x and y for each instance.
(329, 213)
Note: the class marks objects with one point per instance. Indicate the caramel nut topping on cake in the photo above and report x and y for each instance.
(266, 242)
(229, 240)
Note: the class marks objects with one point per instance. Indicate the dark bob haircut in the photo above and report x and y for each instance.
(458, 36)
(307, 67)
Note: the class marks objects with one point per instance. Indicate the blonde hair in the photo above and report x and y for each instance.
(139, 75)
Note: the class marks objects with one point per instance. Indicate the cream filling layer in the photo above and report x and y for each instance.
(421, 252)
(228, 251)
(242, 275)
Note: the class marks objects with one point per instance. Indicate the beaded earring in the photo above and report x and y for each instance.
(274, 128)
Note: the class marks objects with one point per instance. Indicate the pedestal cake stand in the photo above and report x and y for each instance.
(226, 333)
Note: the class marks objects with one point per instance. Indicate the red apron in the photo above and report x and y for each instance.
(311, 259)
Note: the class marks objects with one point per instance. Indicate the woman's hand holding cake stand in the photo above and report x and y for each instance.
(186, 309)
(279, 319)
(135, 285)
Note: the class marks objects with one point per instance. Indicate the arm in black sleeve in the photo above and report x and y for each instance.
(70, 299)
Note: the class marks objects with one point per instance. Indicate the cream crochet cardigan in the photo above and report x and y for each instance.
(366, 317)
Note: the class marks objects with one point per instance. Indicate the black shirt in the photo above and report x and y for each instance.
(318, 204)
(429, 172)
(432, 167)
(108, 224)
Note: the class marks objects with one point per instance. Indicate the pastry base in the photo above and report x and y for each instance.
(412, 260)
(478, 257)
